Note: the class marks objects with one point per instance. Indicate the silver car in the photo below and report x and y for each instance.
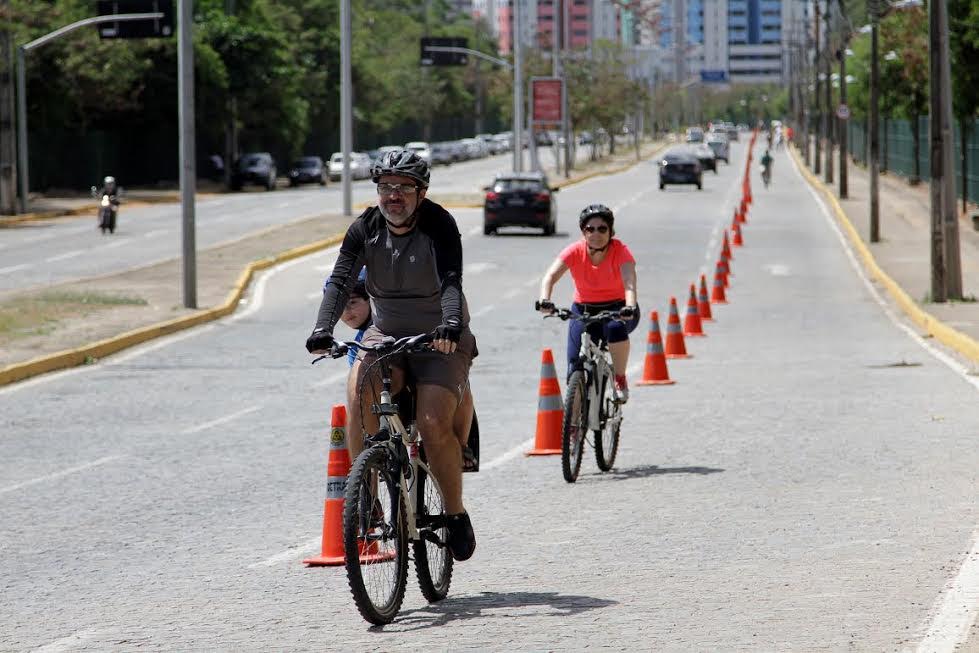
(719, 143)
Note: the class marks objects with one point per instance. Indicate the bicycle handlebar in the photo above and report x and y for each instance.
(388, 345)
(566, 314)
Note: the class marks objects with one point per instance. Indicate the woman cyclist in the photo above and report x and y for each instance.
(604, 274)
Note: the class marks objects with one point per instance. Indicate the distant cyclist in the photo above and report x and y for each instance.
(766, 167)
(604, 274)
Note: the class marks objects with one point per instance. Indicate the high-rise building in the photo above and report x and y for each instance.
(589, 20)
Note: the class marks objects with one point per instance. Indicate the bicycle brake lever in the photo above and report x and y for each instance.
(318, 359)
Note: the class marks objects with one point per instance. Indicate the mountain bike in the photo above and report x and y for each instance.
(590, 404)
(392, 499)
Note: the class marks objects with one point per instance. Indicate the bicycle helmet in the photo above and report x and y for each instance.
(597, 211)
(109, 180)
(403, 163)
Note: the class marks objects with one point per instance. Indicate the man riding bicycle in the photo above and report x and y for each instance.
(413, 253)
(604, 274)
(766, 167)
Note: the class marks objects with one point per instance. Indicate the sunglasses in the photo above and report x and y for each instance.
(401, 189)
(602, 229)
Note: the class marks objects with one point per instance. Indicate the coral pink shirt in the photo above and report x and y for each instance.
(597, 284)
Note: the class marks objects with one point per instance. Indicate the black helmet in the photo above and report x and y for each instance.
(403, 163)
(597, 211)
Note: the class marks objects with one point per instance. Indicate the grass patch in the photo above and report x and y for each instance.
(40, 313)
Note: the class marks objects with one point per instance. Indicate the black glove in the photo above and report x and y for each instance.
(319, 340)
(628, 312)
(544, 305)
(450, 331)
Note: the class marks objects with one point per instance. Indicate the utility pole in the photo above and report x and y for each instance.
(842, 125)
(517, 86)
(830, 114)
(8, 143)
(874, 155)
(565, 104)
(946, 265)
(188, 151)
(346, 102)
(231, 126)
(820, 129)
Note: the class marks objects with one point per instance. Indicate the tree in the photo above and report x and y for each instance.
(963, 17)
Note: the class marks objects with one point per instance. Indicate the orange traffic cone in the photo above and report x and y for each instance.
(717, 294)
(703, 301)
(726, 248)
(550, 411)
(737, 240)
(691, 322)
(654, 370)
(675, 347)
(748, 193)
(743, 213)
(724, 270)
(337, 469)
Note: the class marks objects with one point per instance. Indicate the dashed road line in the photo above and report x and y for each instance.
(15, 268)
(65, 256)
(301, 549)
(57, 475)
(70, 642)
(221, 420)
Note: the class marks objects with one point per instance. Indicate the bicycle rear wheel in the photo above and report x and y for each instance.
(575, 426)
(607, 438)
(433, 563)
(375, 536)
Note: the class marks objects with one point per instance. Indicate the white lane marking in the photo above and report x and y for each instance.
(155, 232)
(283, 205)
(478, 268)
(483, 311)
(532, 282)
(70, 642)
(513, 292)
(15, 268)
(301, 549)
(65, 256)
(475, 231)
(258, 294)
(323, 268)
(221, 420)
(118, 243)
(959, 604)
(315, 295)
(57, 475)
(948, 623)
(158, 344)
(330, 380)
(777, 269)
(509, 455)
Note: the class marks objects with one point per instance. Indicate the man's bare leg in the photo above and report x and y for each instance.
(359, 403)
(435, 416)
(463, 419)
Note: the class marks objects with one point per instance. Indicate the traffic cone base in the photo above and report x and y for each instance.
(550, 411)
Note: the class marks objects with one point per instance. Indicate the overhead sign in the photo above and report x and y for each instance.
(843, 112)
(136, 29)
(442, 58)
(546, 99)
(713, 76)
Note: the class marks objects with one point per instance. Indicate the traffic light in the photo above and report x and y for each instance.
(136, 29)
(435, 58)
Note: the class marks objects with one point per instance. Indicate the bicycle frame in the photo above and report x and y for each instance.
(598, 370)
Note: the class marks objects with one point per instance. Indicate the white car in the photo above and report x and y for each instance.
(422, 149)
(360, 166)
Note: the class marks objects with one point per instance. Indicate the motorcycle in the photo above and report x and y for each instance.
(108, 208)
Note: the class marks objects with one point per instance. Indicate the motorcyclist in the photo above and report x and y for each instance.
(109, 190)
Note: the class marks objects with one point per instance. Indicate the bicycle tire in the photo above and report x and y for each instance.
(433, 563)
(375, 544)
(607, 438)
(575, 426)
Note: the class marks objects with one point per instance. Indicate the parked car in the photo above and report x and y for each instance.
(475, 148)
(360, 166)
(695, 135)
(718, 142)
(492, 145)
(307, 170)
(520, 199)
(504, 141)
(442, 154)
(706, 156)
(544, 138)
(421, 148)
(254, 168)
(679, 165)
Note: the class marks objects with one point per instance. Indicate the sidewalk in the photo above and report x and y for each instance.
(69, 317)
(903, 253)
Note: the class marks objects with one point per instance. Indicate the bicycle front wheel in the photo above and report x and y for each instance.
(607, 439)
(375, 536)
(433, 560)
(575, 426)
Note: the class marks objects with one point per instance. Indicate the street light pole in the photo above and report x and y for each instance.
(188, 150)
(874, 158)
(842, 126)
(818, 127)
(346, 105)
(517, 87)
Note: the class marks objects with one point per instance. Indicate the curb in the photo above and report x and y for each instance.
(88, 209)
(960, 342)
(85, 354)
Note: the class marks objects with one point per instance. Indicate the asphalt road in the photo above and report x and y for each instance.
(809, 483)
(54, 251)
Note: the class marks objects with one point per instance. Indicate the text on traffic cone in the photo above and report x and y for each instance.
(337, 470)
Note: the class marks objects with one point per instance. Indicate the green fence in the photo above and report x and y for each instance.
(897, 151)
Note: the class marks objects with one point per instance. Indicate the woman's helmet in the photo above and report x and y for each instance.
(597, 211)
(403, 163)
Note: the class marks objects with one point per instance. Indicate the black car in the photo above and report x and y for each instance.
(523, 199)
(307, 170)
(680, 167)
(254, 168)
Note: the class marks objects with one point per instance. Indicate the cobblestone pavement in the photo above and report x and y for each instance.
(795, 490)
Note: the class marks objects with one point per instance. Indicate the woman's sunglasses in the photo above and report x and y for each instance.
(602, 229)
